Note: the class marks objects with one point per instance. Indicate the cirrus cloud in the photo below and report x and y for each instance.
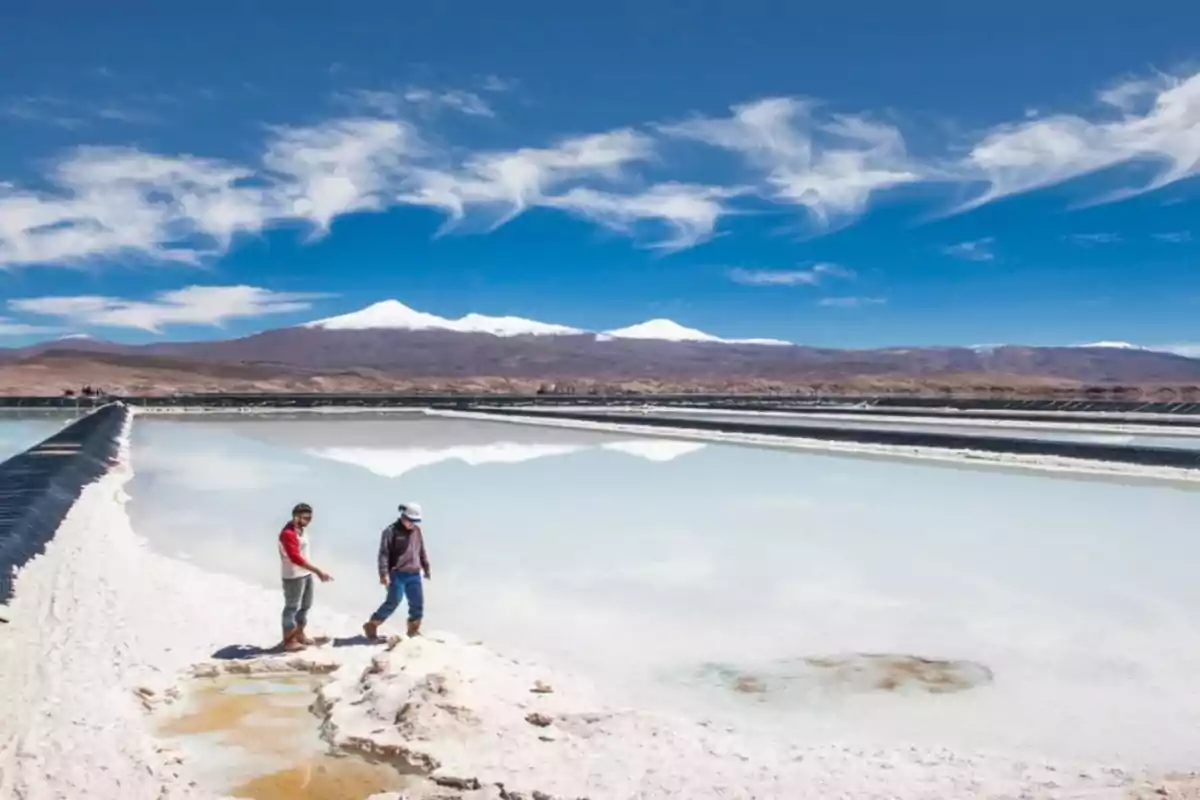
(192, 305)
(830, 165)
(976, 250)
(122, 203)
(1155, 121)
(10, 327)
(851, 302)
(794, 277)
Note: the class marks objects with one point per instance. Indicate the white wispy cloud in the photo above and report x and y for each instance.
(72, 114)
(43, 110)
(794, 277)
(339, 167)
(496, 84)
(506, 183)
(1155, 121)
(1174, 237)
(976, 250)
(459, 100)
(192, 305)
(851, 302)
(1092, 239)
(1131, 96)
(10, 327)
(830, 165)
(114, 201)
(107, 203)
(689, 212)
(399, 102)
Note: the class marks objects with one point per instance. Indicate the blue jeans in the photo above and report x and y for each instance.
(408, 585)
(297, 600)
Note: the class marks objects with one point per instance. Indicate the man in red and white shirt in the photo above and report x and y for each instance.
(297, 572)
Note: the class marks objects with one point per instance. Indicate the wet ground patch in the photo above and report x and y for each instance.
(890, 672)
(256, 736)
(850, 674)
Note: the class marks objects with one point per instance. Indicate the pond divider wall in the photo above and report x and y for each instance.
(1176, 457)
(39, 486)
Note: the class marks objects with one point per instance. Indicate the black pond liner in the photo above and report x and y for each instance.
(39, 486)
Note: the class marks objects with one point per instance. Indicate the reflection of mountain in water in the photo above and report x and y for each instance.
(655, 449)
(395, 446)
(392, 462)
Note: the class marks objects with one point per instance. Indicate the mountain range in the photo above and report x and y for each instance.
(389, 342)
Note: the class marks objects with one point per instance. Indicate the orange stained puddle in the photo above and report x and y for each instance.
(325, 778)
(266, 722)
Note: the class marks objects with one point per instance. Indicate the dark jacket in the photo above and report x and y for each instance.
(402, 550)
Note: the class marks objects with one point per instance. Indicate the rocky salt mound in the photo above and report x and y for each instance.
(481, 725)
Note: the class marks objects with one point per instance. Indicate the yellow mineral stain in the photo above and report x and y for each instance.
(266, 719)
(217, 706)
(325, 778)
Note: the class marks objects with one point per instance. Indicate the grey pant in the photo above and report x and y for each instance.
(297, 600)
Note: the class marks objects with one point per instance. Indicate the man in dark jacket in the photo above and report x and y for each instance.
(402, 560)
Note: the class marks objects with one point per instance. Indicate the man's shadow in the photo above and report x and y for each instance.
(241, 652)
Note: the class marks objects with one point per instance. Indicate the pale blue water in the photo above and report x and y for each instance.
(20, 431)
(639, 562)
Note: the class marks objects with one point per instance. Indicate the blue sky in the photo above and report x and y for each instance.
(862, 174)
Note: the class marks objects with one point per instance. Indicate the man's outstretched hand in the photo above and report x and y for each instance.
(428, 575)
(325, 577)
(383, 580)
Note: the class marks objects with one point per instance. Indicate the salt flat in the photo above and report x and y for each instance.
(706, 617)
(105, 627)
(657, 566)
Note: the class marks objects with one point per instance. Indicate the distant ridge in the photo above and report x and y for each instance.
(390, 340)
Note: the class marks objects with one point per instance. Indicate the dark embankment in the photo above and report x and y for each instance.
(38, 487)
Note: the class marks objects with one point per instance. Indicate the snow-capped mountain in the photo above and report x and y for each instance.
(663, 330)
(394, 315)
(1114, 346)
(1106, 345)
(666, 330)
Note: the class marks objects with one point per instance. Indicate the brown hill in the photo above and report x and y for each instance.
(446, 354)
(308, 359)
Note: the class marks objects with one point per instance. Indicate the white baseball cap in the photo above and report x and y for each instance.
(412, 512)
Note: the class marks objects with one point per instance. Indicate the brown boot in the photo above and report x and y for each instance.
(302, 638)
(371, 629)
(290, 642)
(414, 628)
